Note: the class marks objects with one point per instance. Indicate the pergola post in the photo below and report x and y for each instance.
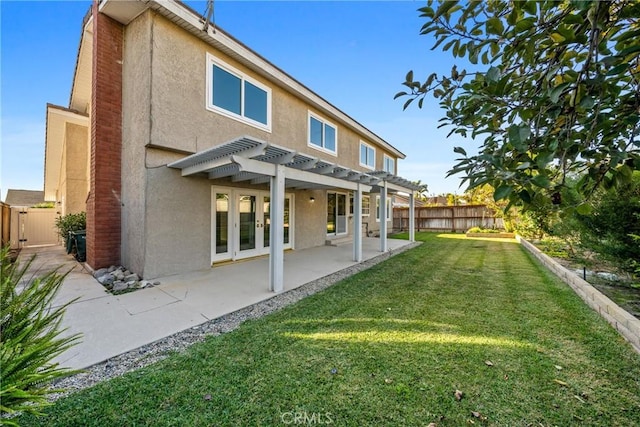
(412, 218)
(357, 224)
(383, 217)
(276, 231)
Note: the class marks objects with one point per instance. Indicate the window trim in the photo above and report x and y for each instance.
(324, 123)
(212, 60)
(384, 164)
(369, 146)
(389, 209)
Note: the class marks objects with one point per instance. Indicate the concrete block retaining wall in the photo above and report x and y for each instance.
(627, 325)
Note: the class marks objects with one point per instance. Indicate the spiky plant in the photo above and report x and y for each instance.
(30, 336)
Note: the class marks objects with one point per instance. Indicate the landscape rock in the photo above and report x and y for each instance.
(608, 276)
(112, 268)
(100, 272)
(106, 279)
(145, 284)
(156, 283)
(131, 277)
(118, 274)
(119, 286)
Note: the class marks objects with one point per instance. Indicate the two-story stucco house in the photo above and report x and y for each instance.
(186, 148)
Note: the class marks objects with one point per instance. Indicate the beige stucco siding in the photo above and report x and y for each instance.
(166, 218)
(181, 121)
(178, 221)
(74, 172)
(136, 122)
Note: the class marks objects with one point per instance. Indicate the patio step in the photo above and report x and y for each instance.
(338, 241)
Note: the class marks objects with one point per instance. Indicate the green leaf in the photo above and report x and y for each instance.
(584, 209)
(556, 92)
(407, 103)
(493, 75)
(541, 181)
(460, 150)
(444, 8)
(525, 196)
(530, 7)
(409, 77)
(518, 136)
(494, 26)
(618, 69)
(544, 159)
(502, 192)
(524, 25)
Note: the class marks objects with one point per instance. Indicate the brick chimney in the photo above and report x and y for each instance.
(103, 203)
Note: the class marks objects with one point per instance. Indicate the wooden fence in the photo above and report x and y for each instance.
(447, 218)
(5, 223)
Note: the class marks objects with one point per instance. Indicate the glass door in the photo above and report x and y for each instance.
(250, 225)
(222, 226)
(341, 213)
(266, 209)
(336, 213)
(241, 223)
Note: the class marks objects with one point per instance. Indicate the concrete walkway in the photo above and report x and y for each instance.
(114, 324)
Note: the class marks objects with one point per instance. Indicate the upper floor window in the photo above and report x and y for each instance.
(322, 134)
(367, 156)
(235, 95)
(389, 164)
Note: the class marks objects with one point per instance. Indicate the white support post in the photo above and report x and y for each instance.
(412, 218)
(357, 224)
(276, 232)
(383, 217)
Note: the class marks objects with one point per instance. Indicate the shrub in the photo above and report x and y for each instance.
(483, 230)
(614, 221)
(71, 222)
(30, 330)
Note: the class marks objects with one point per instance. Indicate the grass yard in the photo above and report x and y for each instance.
(389, 347)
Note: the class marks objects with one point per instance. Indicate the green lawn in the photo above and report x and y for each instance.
(389, 347)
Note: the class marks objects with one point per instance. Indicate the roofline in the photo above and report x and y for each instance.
(171, 9)
(85, 21)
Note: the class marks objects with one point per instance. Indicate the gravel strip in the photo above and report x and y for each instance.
(178, 342)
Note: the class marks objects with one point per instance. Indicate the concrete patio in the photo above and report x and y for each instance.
(114, 324)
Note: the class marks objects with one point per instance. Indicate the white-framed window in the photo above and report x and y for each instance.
(366, 205)
(367, 156)
(236, 95)
(378, 208)
(323, 135)
(389, 164)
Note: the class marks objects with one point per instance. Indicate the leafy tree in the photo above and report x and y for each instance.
(554, 93)
(31, 338)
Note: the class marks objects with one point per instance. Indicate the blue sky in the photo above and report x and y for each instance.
(355, 54)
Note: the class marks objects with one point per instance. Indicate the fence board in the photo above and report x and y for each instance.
(447, 218)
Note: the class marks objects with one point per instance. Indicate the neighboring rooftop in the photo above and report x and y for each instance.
(26, 198)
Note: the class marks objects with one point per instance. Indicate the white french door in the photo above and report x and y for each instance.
(241, 223)
(336, 214)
